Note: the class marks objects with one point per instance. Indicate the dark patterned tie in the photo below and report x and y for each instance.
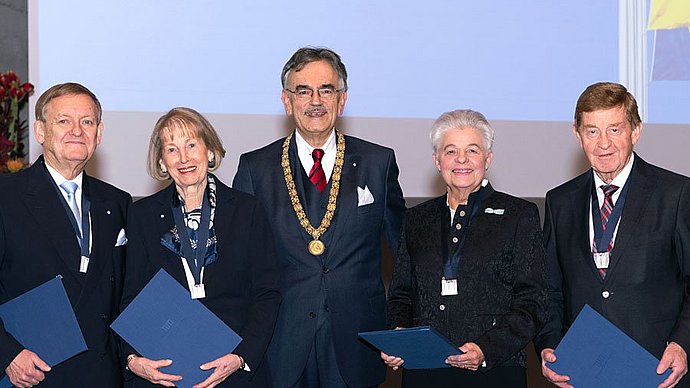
(606, 209)
(316, 175)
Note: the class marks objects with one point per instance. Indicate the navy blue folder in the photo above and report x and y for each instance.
(420, 347)
(164, 322)
(595, 353)
(43, 321)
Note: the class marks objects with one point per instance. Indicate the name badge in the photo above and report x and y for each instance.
(84, 264)
(601, 259)
(198, 291)
(449, 287)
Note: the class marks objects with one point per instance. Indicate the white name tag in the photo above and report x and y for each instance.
(449, 287)
(601, 259)
(198, 291)
(84, 264)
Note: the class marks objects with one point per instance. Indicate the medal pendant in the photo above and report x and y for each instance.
(316, 247)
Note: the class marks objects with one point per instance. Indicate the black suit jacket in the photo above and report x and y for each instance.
(37, 242)
(241, 286)
(346, 279)
(644, 291)
(501, 297)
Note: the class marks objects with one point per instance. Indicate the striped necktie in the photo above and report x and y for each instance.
(606, 209)
(316, 175)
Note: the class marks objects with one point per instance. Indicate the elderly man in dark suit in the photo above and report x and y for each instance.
(617, 238)
(330, 198)
(57, 220)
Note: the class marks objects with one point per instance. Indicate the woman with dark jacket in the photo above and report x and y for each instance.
(227, 261)
(471, 265)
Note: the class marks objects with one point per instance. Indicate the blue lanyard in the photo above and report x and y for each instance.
(85, 225)
(188, 253)
(602, 238)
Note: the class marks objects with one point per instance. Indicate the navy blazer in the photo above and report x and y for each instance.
(37, 243)
(241, 285)
(346, 279)
(644, 291)
(501, 297)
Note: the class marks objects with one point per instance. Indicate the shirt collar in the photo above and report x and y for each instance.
(304, 151)
(304, 147)
(620, 179)
(59, 179)
(484, 183)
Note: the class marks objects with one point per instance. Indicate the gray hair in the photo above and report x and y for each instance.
(306, 55)
(461, 118)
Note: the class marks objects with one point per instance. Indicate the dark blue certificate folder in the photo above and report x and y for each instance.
(42, 320)
(164, 322)
(420, 347)
(595, 353)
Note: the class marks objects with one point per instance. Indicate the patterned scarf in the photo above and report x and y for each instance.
(171, 239)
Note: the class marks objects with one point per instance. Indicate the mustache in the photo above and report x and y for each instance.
(315, 109)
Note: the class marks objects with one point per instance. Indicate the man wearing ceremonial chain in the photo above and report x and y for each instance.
(331, 198)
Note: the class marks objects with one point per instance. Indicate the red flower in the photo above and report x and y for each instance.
(5, 144)
(11, 77)
(27, 87)
(13, 95)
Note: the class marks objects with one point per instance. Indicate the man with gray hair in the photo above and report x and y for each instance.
(331, 198)
(57, 220)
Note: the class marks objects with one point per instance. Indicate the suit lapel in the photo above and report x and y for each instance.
(581, 201)
(347, 197)
(440, 233)
(225, 211)
(45, 208)
(165, 222)
(296, 168)
(101, 235)
(639, 193)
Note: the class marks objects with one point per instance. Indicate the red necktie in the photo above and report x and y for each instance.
(606, 209)
(316, 175)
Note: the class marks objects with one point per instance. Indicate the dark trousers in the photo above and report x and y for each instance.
(322, 370)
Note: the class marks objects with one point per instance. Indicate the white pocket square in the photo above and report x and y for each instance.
(494, 211)
(364, 196)
(121, 238)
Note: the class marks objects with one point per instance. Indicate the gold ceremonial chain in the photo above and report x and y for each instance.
(316, 246)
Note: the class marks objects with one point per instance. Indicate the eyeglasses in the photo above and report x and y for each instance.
(326, 92)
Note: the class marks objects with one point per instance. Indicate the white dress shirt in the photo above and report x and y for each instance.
(304, 151)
